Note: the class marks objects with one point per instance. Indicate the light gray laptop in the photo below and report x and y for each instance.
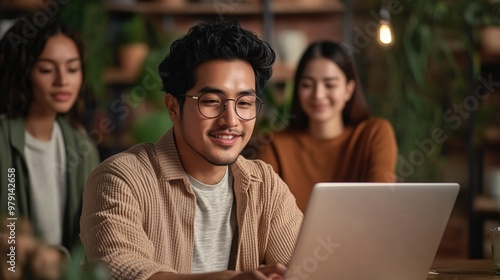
(375, 231)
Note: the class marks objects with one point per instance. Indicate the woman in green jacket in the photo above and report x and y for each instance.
(45, 153)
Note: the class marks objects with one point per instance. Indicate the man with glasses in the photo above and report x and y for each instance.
(189, 206)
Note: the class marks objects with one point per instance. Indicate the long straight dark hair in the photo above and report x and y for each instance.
(355, 110)
(18, 54)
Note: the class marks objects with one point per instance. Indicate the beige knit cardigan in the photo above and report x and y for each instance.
(138, 213)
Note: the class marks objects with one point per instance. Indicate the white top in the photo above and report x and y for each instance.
(46, 162)
(214, 224)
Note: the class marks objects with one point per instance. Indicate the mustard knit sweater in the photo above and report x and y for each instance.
(138, 213)
(363, 153)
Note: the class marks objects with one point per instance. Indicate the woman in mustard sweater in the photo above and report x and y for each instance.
(331, 136)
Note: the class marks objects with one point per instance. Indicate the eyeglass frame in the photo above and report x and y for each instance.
(225, 104)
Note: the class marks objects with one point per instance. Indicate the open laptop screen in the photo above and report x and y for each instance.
(372, 230)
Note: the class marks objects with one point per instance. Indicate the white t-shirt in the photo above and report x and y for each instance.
(214, 224)
(46, 162)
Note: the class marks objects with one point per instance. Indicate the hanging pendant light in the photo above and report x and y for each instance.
(384, 35)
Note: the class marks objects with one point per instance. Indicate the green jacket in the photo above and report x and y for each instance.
(81, 158)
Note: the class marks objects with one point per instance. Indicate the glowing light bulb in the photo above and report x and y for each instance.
(384, 32)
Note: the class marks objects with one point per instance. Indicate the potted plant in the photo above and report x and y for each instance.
(415, 79)
(484, 15)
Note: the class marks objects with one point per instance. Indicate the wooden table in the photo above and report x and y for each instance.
(463, 270)
(484, 209)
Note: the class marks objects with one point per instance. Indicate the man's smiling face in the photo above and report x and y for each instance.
(219, 140)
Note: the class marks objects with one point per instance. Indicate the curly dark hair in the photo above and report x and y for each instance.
(20, 47)
(218, 39)
(355, 110)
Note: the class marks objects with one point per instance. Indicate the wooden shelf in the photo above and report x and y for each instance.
(490, 59)
(282, 72)
(211, 8)
(317, 19)
(487, 206)
(491, 135)
(20, 6)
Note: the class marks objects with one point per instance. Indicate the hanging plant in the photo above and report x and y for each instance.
(424, 76)
(91, 20)
(484, 16)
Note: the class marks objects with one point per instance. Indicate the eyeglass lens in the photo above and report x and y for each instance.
(212, 105)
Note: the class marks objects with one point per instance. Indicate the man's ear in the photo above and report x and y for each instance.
(173, 108)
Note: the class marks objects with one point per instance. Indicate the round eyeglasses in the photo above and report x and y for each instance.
(212, 105)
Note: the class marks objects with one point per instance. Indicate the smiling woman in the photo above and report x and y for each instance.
(41, 137)
(331, 136)
(56, 77)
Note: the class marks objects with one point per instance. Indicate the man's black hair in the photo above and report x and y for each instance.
(219, 39)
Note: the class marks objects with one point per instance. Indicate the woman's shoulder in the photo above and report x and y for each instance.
(286, 136)
(375, 123)
(6, 120)
(374, 128)
(11, 126)
(78, 139)
(287, 140)
(268, 144)
(68, 129)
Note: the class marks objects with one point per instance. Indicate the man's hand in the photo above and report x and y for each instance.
(267, 272)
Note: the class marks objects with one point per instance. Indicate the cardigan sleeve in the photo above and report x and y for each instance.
(111, 224)
(286, 219)
(384, 152)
